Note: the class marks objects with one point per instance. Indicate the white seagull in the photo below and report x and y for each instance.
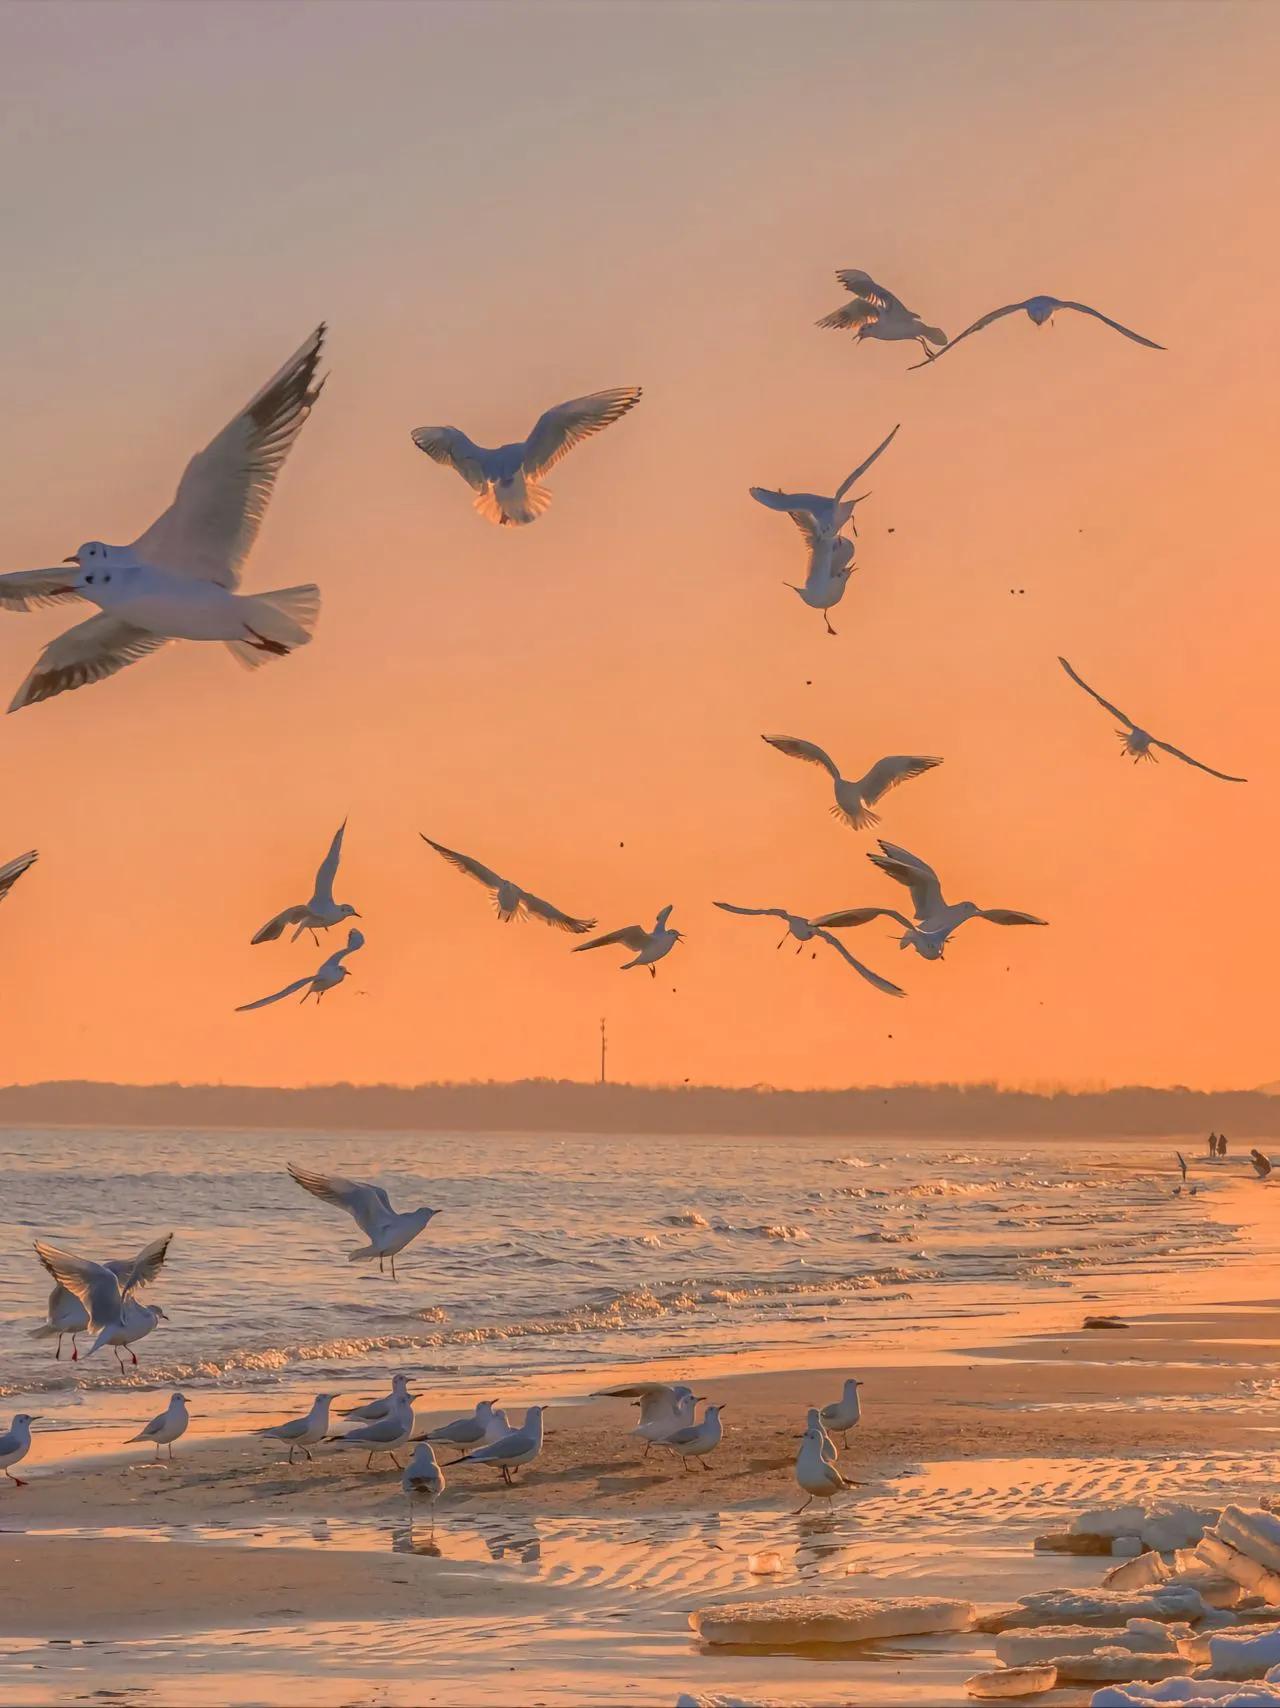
(327, 975)
(423, 1480)
(696, 1440)
(646, 946)
(829, 514)
(321, 911)
(1038, 310)
(67, 1315)
(471, 1431)
(385, 1436)
(105, 1291)
(817, 1475)
(829, 568)
(165, 1428)
(877, 313)
(518, 1447)
(303, 1432)
(506, 480)
(844, 1414)
(855, 796)
(375, 1410)
(813, 1420)
(662, 1412)
(509, 899)
(805, 930)
(12, 870)
(1138, 742)
(935, 918)
(178, 580)
(387, 1230)
(15, 1444)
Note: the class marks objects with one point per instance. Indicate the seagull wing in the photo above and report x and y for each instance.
(794, 748)
(1093, 692)
(368, 1206)
(27, 588)
(278, 996)
(328, 869)
(145, 1266)
(13, 870)
(1083, 308)
(560, 429)
(807, 523)
(209, 529)
(860, 916)
(864, 466)
(1008, 916)
(93, 1284)
(631, 937)
(872, 978)
(773, 498)
(1165, 748)
(978, 325)
(863, 286)
(90, 651)
(887, 773)
(549, 915)
(849, 314)
(919, 877)
(769, 912)
(465, 864)
(274, 927)
(451, 447)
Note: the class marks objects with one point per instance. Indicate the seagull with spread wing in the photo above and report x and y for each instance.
(646, 946)
(877, 313)
(506, 480)
(829, 514)
(106, 1292)
(1138, 742)
(67, 1314)
(178, 580)
(328, 974)
(1038, 310)
(805, 930)
(854, 797)
(935, 918)
(387, 1230)
(321, 911)
(510, 901)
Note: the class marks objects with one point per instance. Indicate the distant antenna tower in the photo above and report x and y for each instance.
(604, 1050)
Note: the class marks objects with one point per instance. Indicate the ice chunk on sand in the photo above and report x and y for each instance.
(1119, 1664)
(1187, 1693)
(1162, 1525)
(796, 1619)
(1139, 1636)
(1147, 1569)
(1246, 1652)
(687, 1699)
(1166, 1601)
(1225, 1557)
(1253, 1532)
(1109, 1521)
(1012, 1681)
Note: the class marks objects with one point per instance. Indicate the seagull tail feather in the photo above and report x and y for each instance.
(513, 512)
(862, 818)
(279, 621)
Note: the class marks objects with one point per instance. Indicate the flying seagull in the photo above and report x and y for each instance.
(12, 870)
(646, 946)
(877, 313)
(854, 797)
(805, 930)
(1038, 310)
(935, 919)
(106, 1292)
(1138, 742)
(829, 514)
(68, 1314)
(326, 976)
(321, 911)
(510, 900)
(178, 580)
(830, 566)
(387, 1230)
(506, 480)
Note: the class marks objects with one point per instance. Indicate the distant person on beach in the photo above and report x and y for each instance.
(1261, 1164)
(1222, 1144)
(1182, 1163)
(1213, 1144)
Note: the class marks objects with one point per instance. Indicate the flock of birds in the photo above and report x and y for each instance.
(180, 580)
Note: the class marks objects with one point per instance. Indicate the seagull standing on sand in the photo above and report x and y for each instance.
(854, 797)
(385, 1436)
(509, 899)
(303, 1432)
(178, 580)
(518, 1447)
(329, 974)
(321, 911)
(506, 480)
(15, 1444)
(165, 1428)
(696, 1440)
(12, 870)
(646, 946)
(1038, 310)
(818, 1477)
(813, 1420)
(105, 1291)
(662, 1413)
(465, 1432)
(806, 930)
(1136, 742)
(375, 1410)
(423, 1480)
(877, 313)
(387, 1230)
(843, 1414)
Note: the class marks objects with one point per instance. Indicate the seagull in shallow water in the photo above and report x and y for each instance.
(423, 1480)
(854, 797)
(876, 313)
(15, 1444)
(388, 1230)
(106, 1292)
(843, 1414)
(806, 930)
(818, 1476)
(303, 1432)
(326, 976)
(166, 1427)
(321, 911)
(935, 918)
(506, 480)
(518, 1447)
(178, 580)
(510, 900)
(1138, 742)
(1038, 310)
(646, 946)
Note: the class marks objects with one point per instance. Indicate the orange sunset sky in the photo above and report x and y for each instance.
(496, 208)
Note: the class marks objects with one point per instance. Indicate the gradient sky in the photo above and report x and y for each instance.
(497, 207)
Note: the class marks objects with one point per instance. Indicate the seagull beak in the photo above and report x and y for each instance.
(74, 558)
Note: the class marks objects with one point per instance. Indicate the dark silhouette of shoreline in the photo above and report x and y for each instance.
(569, 1106)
